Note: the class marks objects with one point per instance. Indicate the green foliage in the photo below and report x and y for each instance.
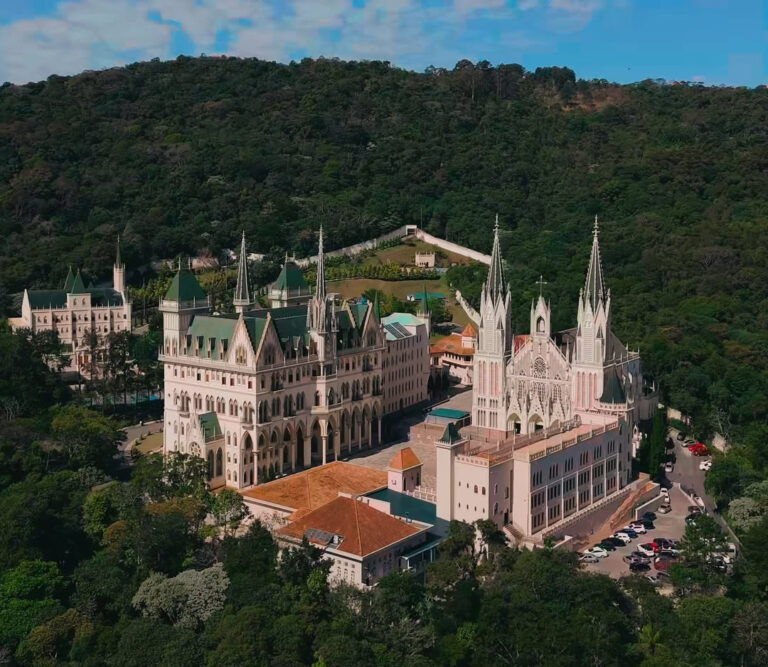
(228, 509)
(86, 437)
(656, 444)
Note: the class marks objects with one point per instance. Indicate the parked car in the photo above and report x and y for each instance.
(649, 525)
(607, 544)
(705, 465)
(668, 467)
(689, 442)
(638, 566)
(598, 551)
(665, 543)
(663, 563)
(664, 492)
(615, 541)
(629, 531)
(638, 527)
(587, 557)
(646, 549)
(648, 516)
(681, 436)
(638, 555)
(674, 553)
(697, 499)
(694, 509)
(622, 537)
(670, 444)
(666, 508)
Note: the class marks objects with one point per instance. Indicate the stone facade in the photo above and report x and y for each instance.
(81, 316)
(267, 391)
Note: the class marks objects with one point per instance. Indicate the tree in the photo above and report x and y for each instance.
(187, 600)
(86, 437)
(750, 633)
(743, 513)
(228, 509)
(250, 562)
(702, 544)
(657, 444)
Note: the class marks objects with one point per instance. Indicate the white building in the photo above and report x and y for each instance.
(80, 315)
(406, 360)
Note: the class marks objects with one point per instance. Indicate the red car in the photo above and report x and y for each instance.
(699, 450)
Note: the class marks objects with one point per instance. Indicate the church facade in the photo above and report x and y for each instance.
(266, 391)
(527, 383)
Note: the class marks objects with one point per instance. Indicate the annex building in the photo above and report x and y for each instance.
(81, 316)
(267, 391)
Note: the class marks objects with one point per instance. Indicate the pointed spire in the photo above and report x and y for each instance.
(424, 305)
(242, 295)
(118, 262)
(320, 283)
(593, 288)
(376, 308)
(494, 285)
(69, 280)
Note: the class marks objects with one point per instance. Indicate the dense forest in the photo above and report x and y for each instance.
(181, 156)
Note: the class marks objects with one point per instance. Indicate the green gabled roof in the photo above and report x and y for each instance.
(255, 329)
(209, 425)
(291, 278)
(613, 391)
(105, 296)
(69, 280)
(184, 287)
(77, 285)
(359, 311)
(47, 298)
(215, 327)
(451, 435)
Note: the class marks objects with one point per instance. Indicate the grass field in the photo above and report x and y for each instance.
(356, 286)
(152, 443)
(403, 254)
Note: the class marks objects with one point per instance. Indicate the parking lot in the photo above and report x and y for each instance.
(671, 526)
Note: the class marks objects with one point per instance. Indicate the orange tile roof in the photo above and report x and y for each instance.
(451, 344)
(469, 331)
(404, 460)
(315, 487)
(364, 529)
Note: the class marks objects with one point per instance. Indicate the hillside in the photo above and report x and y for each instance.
(180, 156)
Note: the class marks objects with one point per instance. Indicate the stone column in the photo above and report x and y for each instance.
(294, 445)
(324, 446)
(379, 428)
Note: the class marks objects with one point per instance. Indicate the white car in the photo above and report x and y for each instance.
(646, 549)
(623, 537)
(705, 466)
(597, 551)
(668, 467)
(638, 527)
(589, 558)
(664, 509)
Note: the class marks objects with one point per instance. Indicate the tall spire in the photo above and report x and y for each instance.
(320, 283)
(494, 285)
(593, 289)
(118, 262)
(242, 295)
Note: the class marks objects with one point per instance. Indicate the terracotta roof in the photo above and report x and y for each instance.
(451, 344)
(469, 331)
(405, 459)
(363, 529)
(310, 489)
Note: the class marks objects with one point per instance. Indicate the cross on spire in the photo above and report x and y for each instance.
(541, 282)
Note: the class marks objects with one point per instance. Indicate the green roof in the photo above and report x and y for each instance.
(209, 425)
(448, 413)
(69, 280)
(359, 311)
(77, 285)
(419, 296)
(451, 434)
(291, 278)
(184, 287)
(100, 297)
(613, 391)
(411, 508)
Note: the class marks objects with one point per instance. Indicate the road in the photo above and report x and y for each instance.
(687, 474)
(133, 432)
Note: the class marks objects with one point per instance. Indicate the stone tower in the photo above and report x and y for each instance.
(118, 272)
(242, 299)
(592, 332)
(494, 347)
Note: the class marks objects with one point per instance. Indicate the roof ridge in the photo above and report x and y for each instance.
(357, 526)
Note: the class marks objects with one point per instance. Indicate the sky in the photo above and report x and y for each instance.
(709, 41)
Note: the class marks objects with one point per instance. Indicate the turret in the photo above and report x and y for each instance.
(183, 300)
(118, 271)
(242, 299)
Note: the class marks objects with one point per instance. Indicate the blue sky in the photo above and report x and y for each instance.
(713, 41)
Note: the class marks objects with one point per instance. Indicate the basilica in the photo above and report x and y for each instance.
(526, 383)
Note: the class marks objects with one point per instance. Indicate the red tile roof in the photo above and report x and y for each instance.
(363, 529)
(405, 459)
(451, 344)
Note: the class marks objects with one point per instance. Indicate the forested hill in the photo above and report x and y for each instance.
(180, 156)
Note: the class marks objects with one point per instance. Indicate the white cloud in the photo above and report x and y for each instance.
(90, 34)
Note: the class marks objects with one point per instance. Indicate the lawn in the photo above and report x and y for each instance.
(403, 254)
(152, 443)
(355, 287)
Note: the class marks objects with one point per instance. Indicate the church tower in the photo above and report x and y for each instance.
(593, 329)
(242, 300)
(118, 272)
(321, 313)
(494, 347)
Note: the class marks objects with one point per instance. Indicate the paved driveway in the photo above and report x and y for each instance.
(671, 526)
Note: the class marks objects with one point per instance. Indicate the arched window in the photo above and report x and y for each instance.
(219, 462)
(210, 465)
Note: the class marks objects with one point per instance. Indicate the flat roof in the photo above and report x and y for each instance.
(307, 490)
(412, 508)
(448, 413)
